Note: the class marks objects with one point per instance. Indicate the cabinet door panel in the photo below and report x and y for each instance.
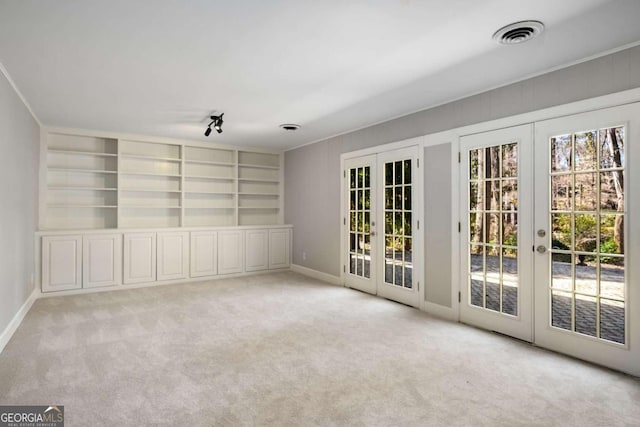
(61, 263)
(139, 257)
(102, 260)
(204, 253)
(279, 251)
(173, 255)
(230, 251)
(257, 250)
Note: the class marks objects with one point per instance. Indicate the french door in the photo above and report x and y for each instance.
(551, 249)
(360, 203)
(496, 201)
(588, 236)
(381, 227)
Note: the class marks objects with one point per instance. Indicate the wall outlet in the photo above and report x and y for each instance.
(304, 256)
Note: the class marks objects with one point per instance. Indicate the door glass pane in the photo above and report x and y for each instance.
(561, 309)
(493, 228)
(510, 281)
(612, 315)
(360, 222)
(398, 224)
(587, 256)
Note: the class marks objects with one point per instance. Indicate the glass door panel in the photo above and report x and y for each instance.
(398, 233)
(398, 171)
(586, 187)
(493, 228)
(496, 230)
(360, 221)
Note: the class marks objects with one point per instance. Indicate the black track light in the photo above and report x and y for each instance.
(216, 121)
(218, 125)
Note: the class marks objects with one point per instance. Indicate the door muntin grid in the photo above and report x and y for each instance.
(492, 210)
(398, 233)
(360, 221)
(587, 250)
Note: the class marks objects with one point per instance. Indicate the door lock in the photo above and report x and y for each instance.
(541, 233)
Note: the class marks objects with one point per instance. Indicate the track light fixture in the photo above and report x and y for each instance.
(216, 121)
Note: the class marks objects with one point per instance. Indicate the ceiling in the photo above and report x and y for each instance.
(160, 67)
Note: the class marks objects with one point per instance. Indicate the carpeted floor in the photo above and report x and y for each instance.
(282, 349)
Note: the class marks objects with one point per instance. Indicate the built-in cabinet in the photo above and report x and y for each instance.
(139, 257)
(279, 249)
(173, 255)
(257, 250)
(109, 259)
(61, 263)
(122, 210)
(230, 251)
(204, 253)
(101, 260)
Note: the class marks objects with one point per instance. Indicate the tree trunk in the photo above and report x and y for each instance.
(618, 184)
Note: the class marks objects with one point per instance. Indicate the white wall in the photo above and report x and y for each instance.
(312, 172)
(19, 141)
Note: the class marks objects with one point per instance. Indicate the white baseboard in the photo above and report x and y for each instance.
(11, 328)
(325, 277)
(129, 286)
(440, 311)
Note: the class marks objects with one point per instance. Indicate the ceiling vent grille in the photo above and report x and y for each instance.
(290, 127)
(518, 32)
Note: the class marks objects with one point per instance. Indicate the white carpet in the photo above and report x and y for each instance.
(283, 349)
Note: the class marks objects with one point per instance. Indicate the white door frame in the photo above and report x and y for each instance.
(624, 357)
(418, 201)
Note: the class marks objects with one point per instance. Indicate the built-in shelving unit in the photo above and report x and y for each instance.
(81, 182)
(258, 188)
(98, 182)
(150, 184)
(210, 187)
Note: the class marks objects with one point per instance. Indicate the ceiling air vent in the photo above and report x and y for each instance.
(290, 126)
(518, 32)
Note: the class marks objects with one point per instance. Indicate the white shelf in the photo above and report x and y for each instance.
(149, 174)
(259, 208)
(81, 153)
(259, 194)
(145, 190)
(225, 193)
(247, 165)
(81, 189)
(209, 207)
(81, 206)
(141, 157)
(207, 162)
(80, 170)
(148, 207)
(214, 178)
(270, 181)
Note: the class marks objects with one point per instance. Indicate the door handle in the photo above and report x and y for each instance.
(373, 233)
(541, 249)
